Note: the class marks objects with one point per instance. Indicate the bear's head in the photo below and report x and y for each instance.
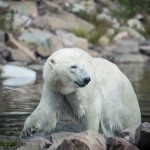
(68, 70)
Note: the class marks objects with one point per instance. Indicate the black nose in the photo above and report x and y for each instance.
(87, 80)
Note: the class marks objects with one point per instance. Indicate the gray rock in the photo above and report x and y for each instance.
(4, 4)
(129, 134)
(89, 139)
(18, 55)
(70, 40)
(145, 50)
(130, 58)
(126, 47)
(142, 136)
(45, 42)
(121, 36)
(27, 8)
(84, 6)
(133, 33)
(37, 143)
(117, 143)
(62, 20)
(135, 23)
(17, 76)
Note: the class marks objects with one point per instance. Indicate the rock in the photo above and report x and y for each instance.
(133, 33)
(117, 143)
(21, 21)
(139, 17)
(142, 136)
(51, 6)
(73, 145)
(62, 20)
(105, 17)
(70, 40)
(87, 140)
(104, 41)
(84, 6)
(18, 55)
(110, 32)
(121, 36)
(17, 76)
(93, 53)
(126, 47)
(135, 23)
(4, 5)
(27, 8)
(36, 67)
(145, 50)
(129, 134)
(45, 41)
(3, 47)
(115, 23)
(90, 140)
(68, 21)
(37, 143)
(42, 22)
(130, 58)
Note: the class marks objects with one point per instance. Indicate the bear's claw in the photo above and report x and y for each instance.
(28, 132)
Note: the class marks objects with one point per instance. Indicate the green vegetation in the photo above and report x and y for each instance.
(80, 33)
(7, 144)
(93, 36)
(129, 8)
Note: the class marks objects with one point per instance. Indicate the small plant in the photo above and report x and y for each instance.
(80, 33)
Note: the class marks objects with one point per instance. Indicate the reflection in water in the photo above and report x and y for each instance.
(18, 102)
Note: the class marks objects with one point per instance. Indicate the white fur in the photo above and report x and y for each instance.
(108, 100)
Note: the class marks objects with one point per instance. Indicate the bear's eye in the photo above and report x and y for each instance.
(74, 66)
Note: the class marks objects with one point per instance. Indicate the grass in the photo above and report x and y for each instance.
(7, 144)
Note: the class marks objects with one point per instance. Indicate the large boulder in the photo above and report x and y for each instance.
(27, 8)
(62, 20)
(45, 42)
(70, 40)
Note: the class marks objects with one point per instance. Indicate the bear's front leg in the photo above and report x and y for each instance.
(46, 115)
(91, 120)
(36, 122)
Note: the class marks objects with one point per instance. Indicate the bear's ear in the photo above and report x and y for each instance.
(51, 61)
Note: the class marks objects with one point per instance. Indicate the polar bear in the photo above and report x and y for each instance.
(93, 90)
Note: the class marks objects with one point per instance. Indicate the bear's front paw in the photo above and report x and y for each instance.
(26, 133)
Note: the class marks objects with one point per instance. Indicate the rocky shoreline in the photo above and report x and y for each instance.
(33, 30)
(130, 139)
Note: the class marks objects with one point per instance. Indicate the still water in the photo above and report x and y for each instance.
(18, 102)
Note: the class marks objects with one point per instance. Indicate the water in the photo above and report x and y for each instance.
(18, 102)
